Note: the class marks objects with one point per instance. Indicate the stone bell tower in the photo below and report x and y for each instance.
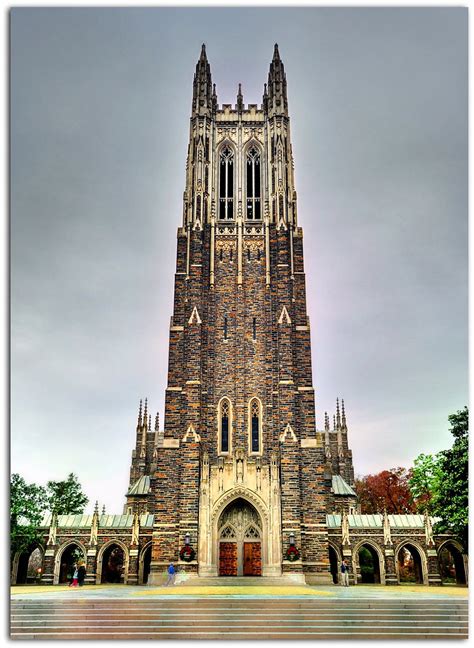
(239, 473)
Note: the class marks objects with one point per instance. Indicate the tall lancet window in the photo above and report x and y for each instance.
(253, 184)
(225, 425)
(255, 425)
(226, 184)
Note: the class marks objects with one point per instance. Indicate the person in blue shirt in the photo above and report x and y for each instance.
(171, 575)
(344, 573)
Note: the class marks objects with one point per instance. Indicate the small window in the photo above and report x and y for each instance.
(224, 414)
(226, 184)
(225, 327)
(254, 328)
(253, 184)
(255, 425)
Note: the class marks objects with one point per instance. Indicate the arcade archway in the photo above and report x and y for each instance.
(113, 564)
(451, 564)
(240, 540)
(144, 565)
(27, 565)
(411, 565)
(334, 564)
(369, 564)
(70, 554)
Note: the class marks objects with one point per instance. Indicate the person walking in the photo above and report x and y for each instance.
(75, 576)
(171, 575)
(344, 573)
(81, 573)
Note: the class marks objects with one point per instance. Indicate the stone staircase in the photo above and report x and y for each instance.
(239, 618)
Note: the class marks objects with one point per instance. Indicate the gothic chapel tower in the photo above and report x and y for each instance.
(240, 469)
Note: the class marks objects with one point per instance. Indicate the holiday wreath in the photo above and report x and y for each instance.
(292, 553)
(187, 554)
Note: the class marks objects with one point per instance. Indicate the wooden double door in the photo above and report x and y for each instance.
(251, 558)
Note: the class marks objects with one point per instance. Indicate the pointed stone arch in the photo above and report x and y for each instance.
(195, 317)
(288, 434)
(21, 561)
(100, 556)
(284, 317)
(59, 553)
(422, 554)
(141, 562)
(191, 435)
(335, 563)
(460, 559)
(355, 559)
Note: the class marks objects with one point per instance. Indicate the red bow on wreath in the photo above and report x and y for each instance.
(292, 553)
(187, 554)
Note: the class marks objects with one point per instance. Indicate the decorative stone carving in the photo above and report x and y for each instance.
(345, 529)
(135, 529)
(428, 530)
(387, 538)
(288, 434)
(191, 435)
(53, 529)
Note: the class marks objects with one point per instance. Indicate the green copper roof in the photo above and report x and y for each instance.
(409, 521)
(83, 521)
(140, 487)
(341, 487)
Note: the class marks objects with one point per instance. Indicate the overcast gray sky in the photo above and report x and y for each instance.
(100, 104)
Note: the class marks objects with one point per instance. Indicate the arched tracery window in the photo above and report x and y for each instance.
(226, 184)
(255, 415)
(253, 184)
(225, 423)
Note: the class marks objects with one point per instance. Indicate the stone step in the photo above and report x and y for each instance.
(244, 619)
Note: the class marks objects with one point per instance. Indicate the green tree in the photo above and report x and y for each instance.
(424, 482)
(66, 497)
(451, 500)
(28, 502)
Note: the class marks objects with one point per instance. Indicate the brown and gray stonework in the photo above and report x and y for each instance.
(239, 342)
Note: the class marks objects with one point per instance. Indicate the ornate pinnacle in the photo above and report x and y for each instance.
(326, 421)
(145, 414)
(240, 99)
(333, 422)
(149, 421)
(338, 414)
(343, 414)
(103, 509)
(157, 421)
(276, 53)
(139, 424)
(96, 508)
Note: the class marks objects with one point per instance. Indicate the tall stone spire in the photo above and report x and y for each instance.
(202, 86)
(338, 415)
(277, 98)
(343, 416)
(139, 422)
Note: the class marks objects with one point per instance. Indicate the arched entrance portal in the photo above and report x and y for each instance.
(451, 565)
(240, 540)
(144, 565)
(113, 564)
(28, 566)
(369, 564)
(333, 565)
(409, 565)
(71, 554)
